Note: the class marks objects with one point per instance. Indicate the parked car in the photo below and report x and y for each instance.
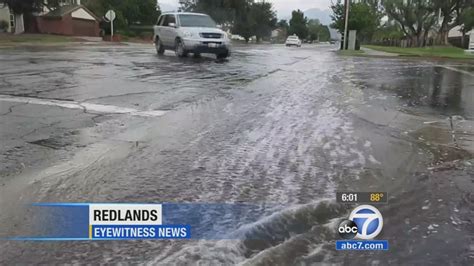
(293, 40)
(187, 33)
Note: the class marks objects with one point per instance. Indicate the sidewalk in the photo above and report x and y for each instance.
(372, 52)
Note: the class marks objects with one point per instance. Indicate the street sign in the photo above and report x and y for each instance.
(110, 15)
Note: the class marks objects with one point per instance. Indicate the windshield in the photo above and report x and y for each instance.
(196, 21)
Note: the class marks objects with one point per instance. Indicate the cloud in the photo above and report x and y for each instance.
(284, 7)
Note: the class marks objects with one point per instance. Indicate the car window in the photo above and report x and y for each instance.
(160, 20)
(169, 19)
(196, 21)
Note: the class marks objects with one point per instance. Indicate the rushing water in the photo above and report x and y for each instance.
(278, 129)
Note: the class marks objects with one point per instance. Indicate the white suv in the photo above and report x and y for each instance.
(190, 33)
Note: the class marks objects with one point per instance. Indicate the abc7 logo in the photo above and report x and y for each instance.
(365, 222)
(347, 229)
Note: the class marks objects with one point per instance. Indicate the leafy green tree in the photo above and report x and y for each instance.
(21, 7)
(222, 11)
(187, 5)
(298, 24)
(388, 30)
(324, 33)
(283, 24)
(468, 19)
(244, 24)
(364, 17)
(314, 29)
(451, 12)
(128, 12)
(245, 17)
(144, 12)
(317, 31)
(263, 18)
(415, 17)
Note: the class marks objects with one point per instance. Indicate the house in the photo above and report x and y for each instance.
(73, 20)
(276, 32)
(456, 37)
(278, 35)
(7, 16)
(70, 18)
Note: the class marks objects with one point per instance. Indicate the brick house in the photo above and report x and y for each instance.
(73, 20)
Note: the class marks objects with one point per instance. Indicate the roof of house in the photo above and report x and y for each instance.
(64, 10)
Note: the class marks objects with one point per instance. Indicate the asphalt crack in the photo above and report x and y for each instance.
(10, 109)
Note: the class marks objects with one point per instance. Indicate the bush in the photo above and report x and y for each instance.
(3, 25)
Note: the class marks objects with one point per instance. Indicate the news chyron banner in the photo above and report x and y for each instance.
(90, 221)
(131, 221)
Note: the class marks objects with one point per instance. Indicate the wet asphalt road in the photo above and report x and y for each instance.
(281, 128)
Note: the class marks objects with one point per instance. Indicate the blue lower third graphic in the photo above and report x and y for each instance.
(361, 245)
(109, 232)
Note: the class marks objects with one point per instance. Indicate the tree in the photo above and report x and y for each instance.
(128, 12)
(364, 17)
(222, 11)
(298, 24)
(314, 29)
(415, 17)
(324, 33)
(187, 5)
(20, 7)
(467, 18)
(317, 31)
(244, 24)
(283, 24)
(389, 30)
(144, 12)
(263, 18)
(452, 13)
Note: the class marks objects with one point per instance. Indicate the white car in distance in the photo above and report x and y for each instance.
(293, 40)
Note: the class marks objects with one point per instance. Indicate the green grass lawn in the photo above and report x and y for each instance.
(351, 52)
(435, 51)
(33, 38)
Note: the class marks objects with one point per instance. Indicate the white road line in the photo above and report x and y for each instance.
(458, 70)
(89, 107)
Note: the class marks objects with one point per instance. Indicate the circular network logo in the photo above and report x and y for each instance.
(369, 221)
(347, 229)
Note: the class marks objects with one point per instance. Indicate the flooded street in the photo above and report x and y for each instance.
(279, 130)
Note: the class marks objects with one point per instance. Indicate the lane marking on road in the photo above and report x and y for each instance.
(458, 70)
(87, 107)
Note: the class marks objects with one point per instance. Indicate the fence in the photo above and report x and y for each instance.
(404, 43)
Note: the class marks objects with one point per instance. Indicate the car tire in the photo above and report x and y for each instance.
(197, 55)
(160, 49)
(179, 49)
(223, 55)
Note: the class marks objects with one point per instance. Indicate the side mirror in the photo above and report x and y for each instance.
(172, 25)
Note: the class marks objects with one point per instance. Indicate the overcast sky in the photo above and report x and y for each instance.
(283, 7)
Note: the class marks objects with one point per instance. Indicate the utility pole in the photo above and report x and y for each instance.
(346, 25)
